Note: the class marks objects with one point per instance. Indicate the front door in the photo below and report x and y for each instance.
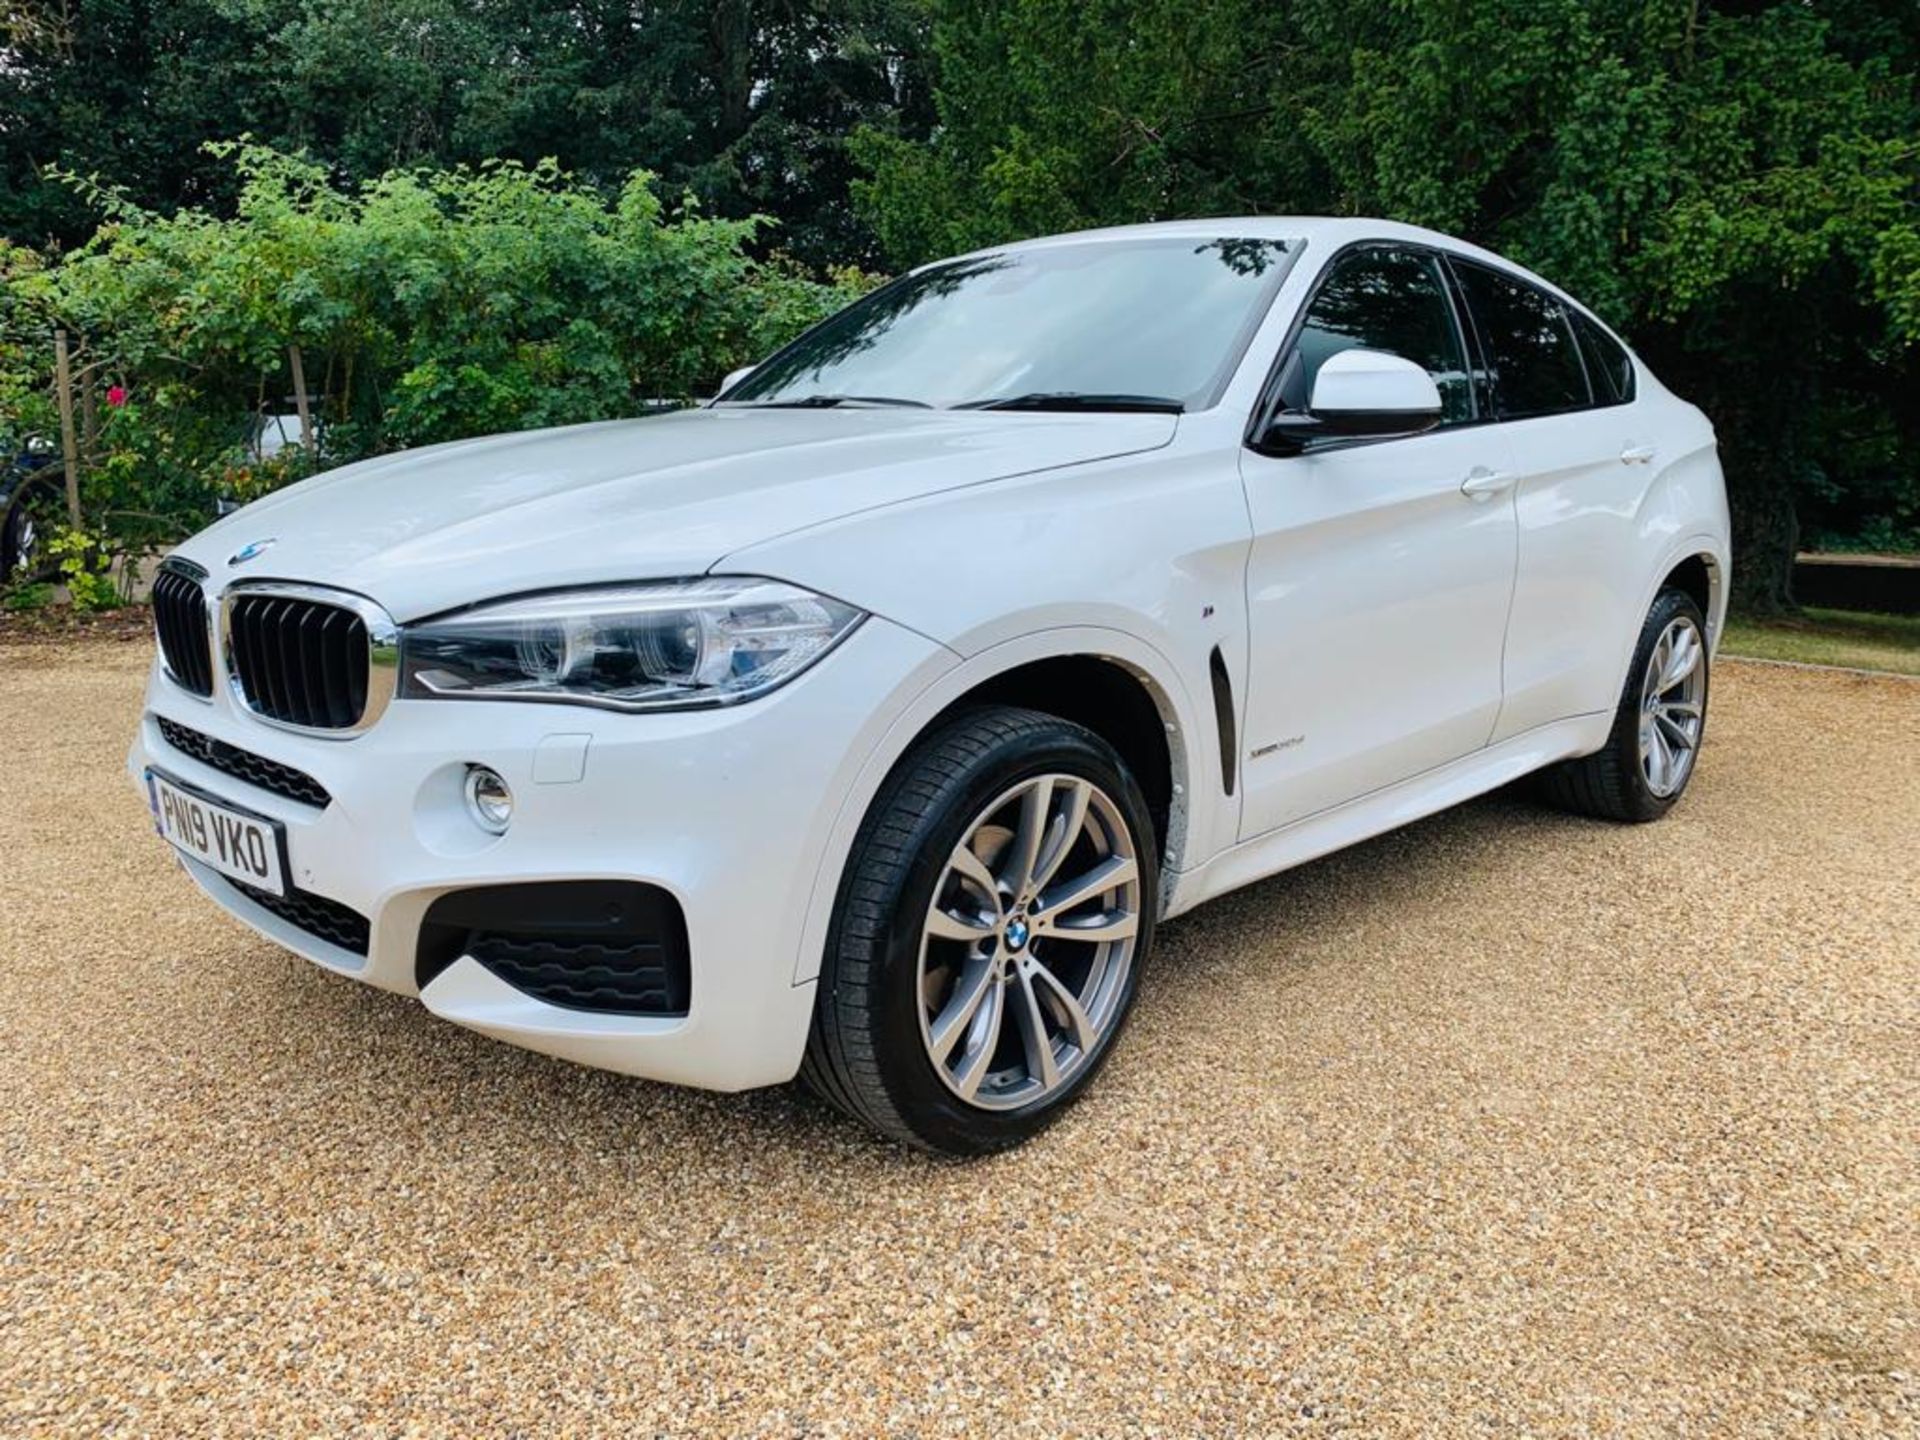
(1378, 587)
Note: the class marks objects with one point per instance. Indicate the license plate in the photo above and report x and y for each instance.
(240, 846)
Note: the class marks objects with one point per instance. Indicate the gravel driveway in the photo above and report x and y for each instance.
(1509, 1121)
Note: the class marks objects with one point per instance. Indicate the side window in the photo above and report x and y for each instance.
(1381, 299)
(1608, 364)
(1536, 365)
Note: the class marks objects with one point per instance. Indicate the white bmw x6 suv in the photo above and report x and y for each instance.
(864, 722)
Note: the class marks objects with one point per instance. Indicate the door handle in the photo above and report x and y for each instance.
(1482, 482)
(1636, 455)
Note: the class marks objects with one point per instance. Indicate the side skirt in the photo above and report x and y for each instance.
(1386, 809)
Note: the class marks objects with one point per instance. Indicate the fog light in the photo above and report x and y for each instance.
(489, 800)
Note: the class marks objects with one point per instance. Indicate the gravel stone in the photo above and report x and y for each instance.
(1506, 1123)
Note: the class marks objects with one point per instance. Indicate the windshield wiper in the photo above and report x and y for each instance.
(828, 402)
(1077, 400)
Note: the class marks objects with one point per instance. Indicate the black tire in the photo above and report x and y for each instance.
(27, 522)
(11, 523)
(1610, 784)
(866, 1054)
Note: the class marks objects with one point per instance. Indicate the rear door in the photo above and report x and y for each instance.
(1377, 586)
(1563, 391)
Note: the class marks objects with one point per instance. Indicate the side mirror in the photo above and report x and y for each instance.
(734, 377)
(1360, 393)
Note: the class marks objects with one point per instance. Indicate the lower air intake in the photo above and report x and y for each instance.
(616, 947)
(339, 925)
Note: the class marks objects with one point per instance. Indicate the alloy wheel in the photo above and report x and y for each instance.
(1673, 695)
(1028, 942)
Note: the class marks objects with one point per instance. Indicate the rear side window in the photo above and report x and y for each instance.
(1528, 345)
(1383, 299)
(1609, 366)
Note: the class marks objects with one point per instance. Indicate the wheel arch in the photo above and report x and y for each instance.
(1696, 562)
(1117, 702)
(1116, 685)
(1700, 576)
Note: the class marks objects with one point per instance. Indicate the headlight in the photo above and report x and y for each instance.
(671, 645)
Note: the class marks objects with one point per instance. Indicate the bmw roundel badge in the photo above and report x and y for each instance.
(249, 552)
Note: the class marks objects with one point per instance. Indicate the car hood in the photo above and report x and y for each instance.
(667, 495)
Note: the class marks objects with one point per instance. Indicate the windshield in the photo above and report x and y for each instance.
(1133, 324)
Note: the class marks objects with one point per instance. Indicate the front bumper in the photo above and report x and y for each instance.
(729, 811)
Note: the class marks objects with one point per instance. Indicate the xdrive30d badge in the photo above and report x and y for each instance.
(864, 723)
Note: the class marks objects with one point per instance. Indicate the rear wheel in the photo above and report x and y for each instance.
(27, 523)
(1649, 756)
(989, 934)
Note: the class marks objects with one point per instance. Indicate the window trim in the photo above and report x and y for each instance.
(1483, 373)
(1563, 309)
(1575, 314)
(1265, 405)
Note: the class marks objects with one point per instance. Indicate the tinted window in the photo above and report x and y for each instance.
(1608, 365)
(1161, 317)
(1391, 300)
(1536, 367)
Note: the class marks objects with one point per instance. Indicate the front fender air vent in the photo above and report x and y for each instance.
(1223, 716)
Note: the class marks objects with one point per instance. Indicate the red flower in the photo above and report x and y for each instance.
(116, 395)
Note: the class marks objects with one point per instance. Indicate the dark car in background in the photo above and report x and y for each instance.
(31, 502)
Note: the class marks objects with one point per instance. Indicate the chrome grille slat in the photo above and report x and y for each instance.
(358, 677)
(358, 688)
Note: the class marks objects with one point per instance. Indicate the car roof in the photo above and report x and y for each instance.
(1322, 233)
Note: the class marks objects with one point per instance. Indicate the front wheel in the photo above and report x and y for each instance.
(988, 936)
(1649, 756)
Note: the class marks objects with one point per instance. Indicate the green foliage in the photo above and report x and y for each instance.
(426, 306)
(26, 406)
(1879, 535)
(1058, 114)
(1733, 184)
(86, 569)
(1857, 639)
(24, 598)
(746, 105)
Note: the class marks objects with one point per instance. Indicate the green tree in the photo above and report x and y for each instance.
(745, 103)
(128, 89)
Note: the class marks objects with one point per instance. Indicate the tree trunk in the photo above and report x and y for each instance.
(730, 43)
(1744, 365)
(300, 399)
(63, 384)
(1766, 536)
